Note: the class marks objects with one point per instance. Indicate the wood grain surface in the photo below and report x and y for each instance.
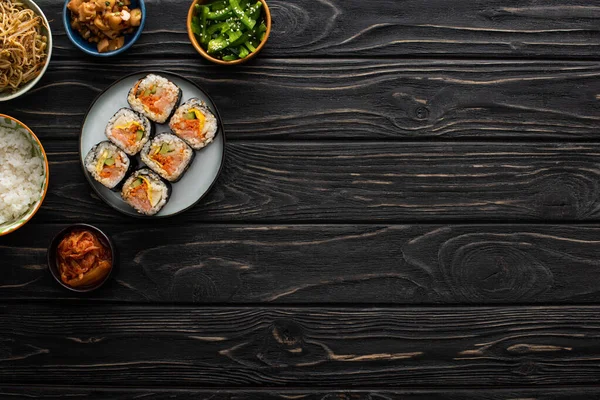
(324, 264)
(312, 347)
(555, 28)
(409, 210)
(351, 98)
(23, 393)
(367, 182)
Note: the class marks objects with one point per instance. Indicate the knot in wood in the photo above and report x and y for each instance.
(564, 194)
(287, 333)
(498, 271)
(526, 368)
(290, 18)
(422, 112)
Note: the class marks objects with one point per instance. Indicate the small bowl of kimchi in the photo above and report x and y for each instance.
(81, 258)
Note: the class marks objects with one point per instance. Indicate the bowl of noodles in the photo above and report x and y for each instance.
(25, 47)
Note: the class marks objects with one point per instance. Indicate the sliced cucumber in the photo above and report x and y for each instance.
(139, 135)
(164, 149)
(136, 183)
(109, 161)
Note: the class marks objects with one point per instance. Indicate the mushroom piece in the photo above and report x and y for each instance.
(87, 12)
(116, 43)
(136, 17)
(103, 46)
(100, 5)
(114, 20)
(99, 22)
(73, 5)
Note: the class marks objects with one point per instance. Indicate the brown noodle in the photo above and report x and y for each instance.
(22, 45)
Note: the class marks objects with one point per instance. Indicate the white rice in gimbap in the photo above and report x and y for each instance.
(129, 130)
(146, 192)
(155, 97)
(194, 123)
(168, 156)
(107, 164)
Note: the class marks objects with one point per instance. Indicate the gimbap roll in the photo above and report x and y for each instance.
(129, 130)
(146, 192)
(108, 164)
(155, 97)
(194, 123)
(168, 156)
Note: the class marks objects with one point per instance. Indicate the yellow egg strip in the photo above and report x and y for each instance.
(201, 119)
(100, 164)
(129, 125)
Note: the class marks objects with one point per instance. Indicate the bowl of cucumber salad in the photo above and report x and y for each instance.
(229, 32)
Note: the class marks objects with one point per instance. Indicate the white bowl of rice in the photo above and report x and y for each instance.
(23, 174)
(26, 44)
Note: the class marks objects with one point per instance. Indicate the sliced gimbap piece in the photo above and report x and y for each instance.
(194, 123)
(146, 192)
(168, 156)
(129, 130)
(155, 97)
(108, 164)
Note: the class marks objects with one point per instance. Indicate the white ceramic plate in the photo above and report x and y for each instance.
(201, 175)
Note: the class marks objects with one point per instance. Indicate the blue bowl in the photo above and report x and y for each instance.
(91, 48)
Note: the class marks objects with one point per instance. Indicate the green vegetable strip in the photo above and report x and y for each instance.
(196, 26)
(243, 52)
(218, 5)
(220, 15)
(220, 27)
(232, 36)
(230, 58)
(246, 19)
(218, 44)
(204, 37)
(255, 10)
(223, 41)
(240, 41)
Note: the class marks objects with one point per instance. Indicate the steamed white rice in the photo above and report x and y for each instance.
(21, 175)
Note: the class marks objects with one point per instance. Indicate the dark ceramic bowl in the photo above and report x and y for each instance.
(104, 239)
(90, 48)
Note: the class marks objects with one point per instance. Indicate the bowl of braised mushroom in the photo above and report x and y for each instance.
(104, 27)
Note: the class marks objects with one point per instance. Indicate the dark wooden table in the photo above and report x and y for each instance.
(409, 210)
